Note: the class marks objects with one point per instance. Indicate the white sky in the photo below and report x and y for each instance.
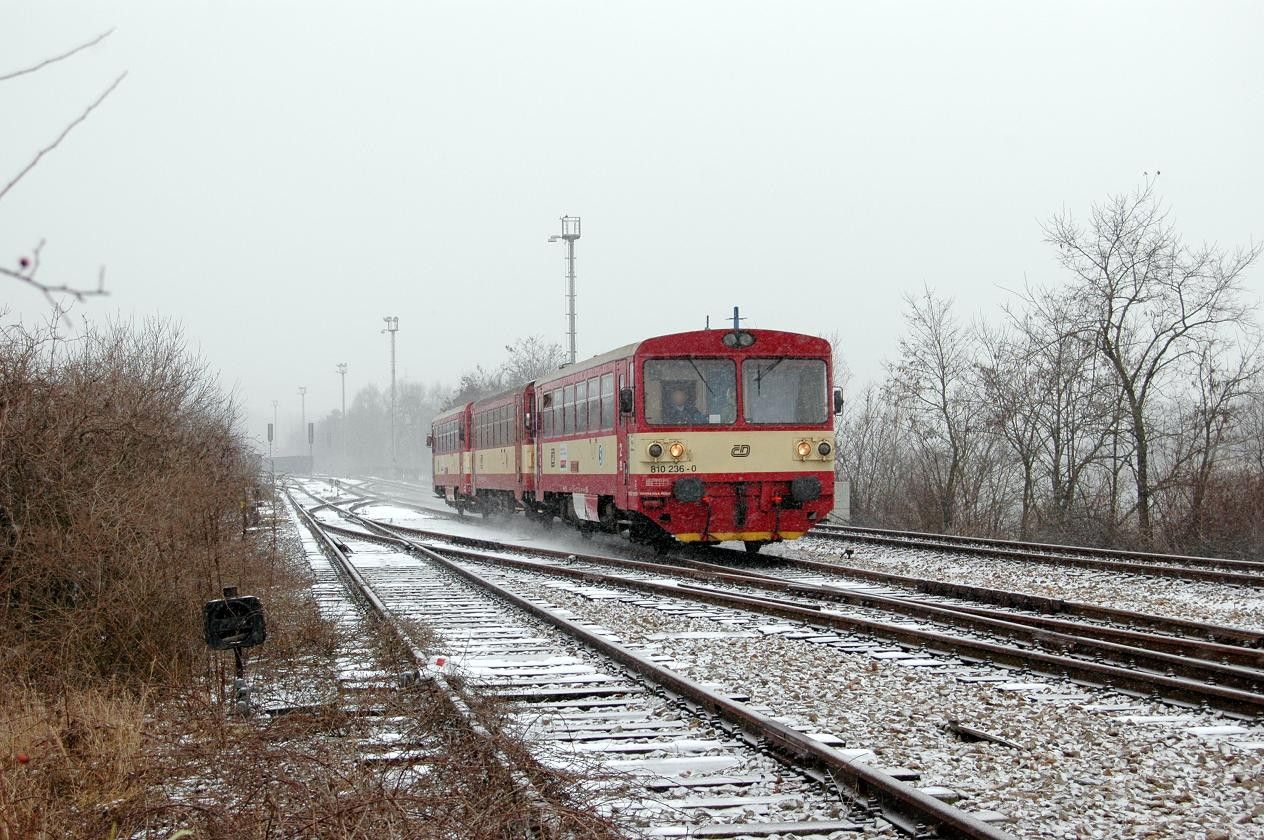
(279, 175)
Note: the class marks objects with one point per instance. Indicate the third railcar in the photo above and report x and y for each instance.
(704, 436)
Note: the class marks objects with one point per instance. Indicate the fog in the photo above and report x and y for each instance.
(279, 176)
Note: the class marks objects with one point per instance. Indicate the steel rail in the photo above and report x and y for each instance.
(1152, 569)
(1189, 657)
(1167, 642)
(1202, 636)
(1222, 634)
(1054, 548)
(1169, 656)
(1238, 701)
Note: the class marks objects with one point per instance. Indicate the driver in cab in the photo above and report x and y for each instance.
(680, 410)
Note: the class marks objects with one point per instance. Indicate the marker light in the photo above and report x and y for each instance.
(804, 449)
(656, 449)
(824, 449)
(677, 450)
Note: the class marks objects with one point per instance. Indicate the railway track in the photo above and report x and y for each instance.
(1014, 602)
(1186, 662)
(1238, 572)
(702, 762)
(1170, 667)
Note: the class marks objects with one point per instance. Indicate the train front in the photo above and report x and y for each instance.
(733, 436)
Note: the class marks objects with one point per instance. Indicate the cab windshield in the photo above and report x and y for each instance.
(784, 391)
(690, 392)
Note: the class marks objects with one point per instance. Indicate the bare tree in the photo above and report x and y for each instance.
(1148, 301)
(933, 382)
(1012, 387)
(1222, 377)
(869, 454)
(529, 359)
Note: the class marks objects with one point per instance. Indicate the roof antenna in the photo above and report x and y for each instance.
(737, 319)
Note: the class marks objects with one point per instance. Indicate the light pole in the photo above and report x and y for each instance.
(392, 327)
(273, 432)
(302, 423)
(342, 372)
(570, 232)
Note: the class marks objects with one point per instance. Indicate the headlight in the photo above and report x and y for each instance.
(656, 450)
(804, 449)
(677, 450)
(824, 449)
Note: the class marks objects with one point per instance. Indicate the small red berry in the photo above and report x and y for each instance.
(24, 262)
(23, 758)
(439, 660)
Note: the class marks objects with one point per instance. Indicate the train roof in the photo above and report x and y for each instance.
(455, 411)
(695, 341)
(700, 341)
(505, 395)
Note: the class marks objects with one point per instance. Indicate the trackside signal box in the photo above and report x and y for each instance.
(234, 622)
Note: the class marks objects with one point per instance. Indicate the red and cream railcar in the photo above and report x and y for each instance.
(450, 456)
(503, 449)
(708, 436)
(704, 436)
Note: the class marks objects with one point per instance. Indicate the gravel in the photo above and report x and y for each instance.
(1081, 772)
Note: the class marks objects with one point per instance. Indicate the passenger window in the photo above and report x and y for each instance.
(568, 409)
(594, 405)
(607, 401)
(581, 406)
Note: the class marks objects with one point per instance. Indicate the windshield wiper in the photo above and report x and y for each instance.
(759, 374)
(705, 384)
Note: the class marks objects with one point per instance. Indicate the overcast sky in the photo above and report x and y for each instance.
(277, 176)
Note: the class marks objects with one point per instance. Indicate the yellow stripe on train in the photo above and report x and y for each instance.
(733, 536)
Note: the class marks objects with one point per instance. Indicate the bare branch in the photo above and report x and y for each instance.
(62, 136)
(14, 74)
(27, 271)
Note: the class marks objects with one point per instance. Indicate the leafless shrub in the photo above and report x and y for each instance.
(122, 477)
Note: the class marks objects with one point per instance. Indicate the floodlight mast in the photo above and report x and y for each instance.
(570, 233)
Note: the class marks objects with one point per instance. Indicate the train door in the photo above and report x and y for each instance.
(622, 421)
(543, 428)
(477, 423)
(467, 450)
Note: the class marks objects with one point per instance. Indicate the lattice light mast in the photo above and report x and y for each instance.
(570, 233)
